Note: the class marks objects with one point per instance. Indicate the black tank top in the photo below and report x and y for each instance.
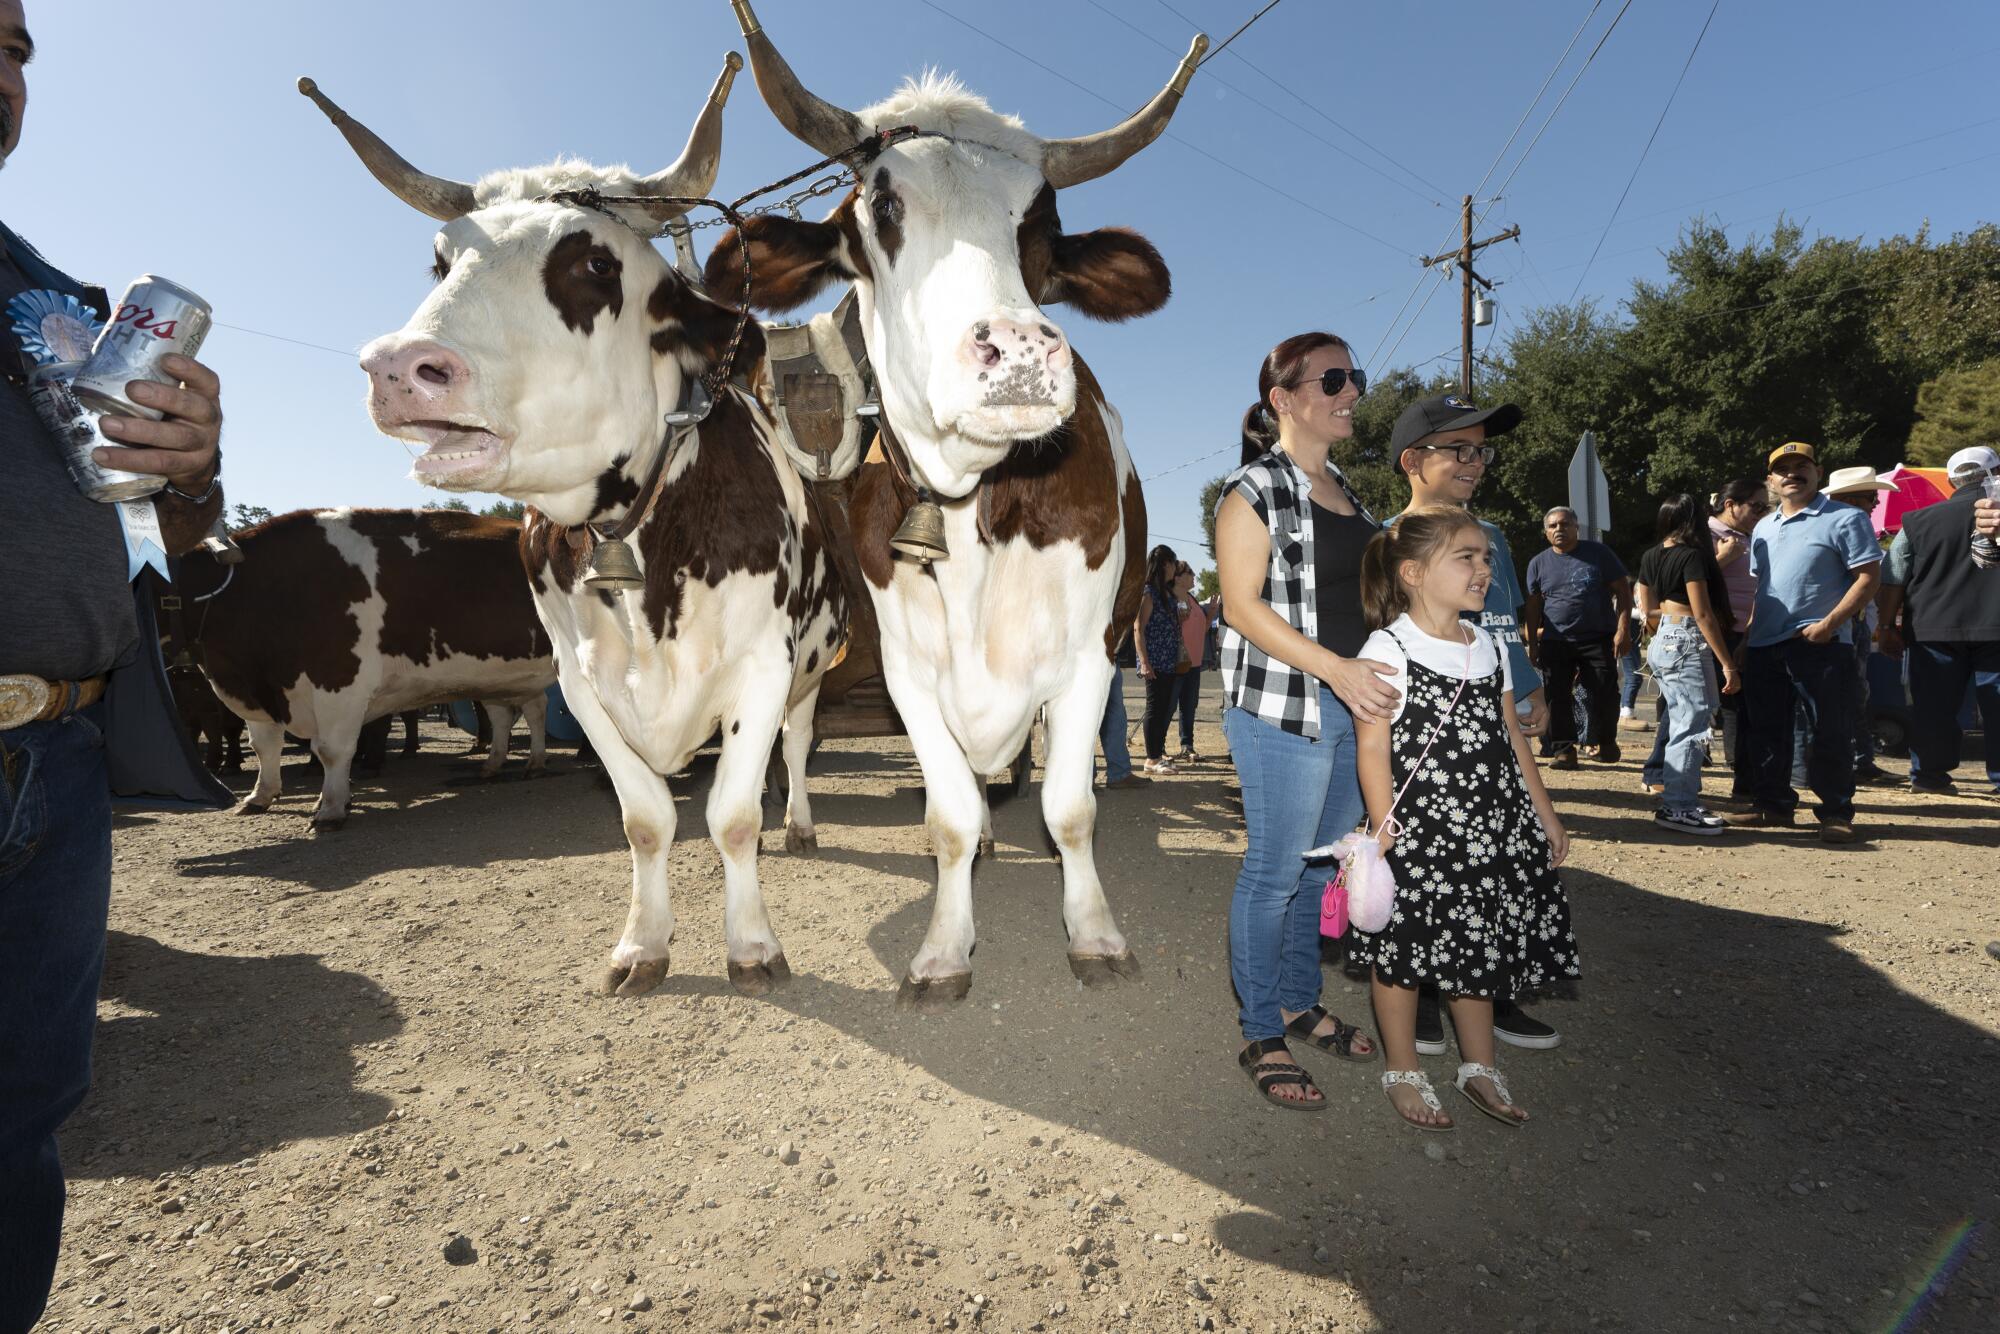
(1338, 541)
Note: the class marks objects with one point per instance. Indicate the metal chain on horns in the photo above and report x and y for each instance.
(734, 214)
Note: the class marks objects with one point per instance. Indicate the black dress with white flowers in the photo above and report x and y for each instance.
(1479, 910)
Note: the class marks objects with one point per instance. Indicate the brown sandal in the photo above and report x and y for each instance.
(1340, 1042)
(1270, 1077)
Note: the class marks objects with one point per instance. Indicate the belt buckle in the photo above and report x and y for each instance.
(22, 699)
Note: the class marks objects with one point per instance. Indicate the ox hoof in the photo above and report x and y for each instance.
(332, 826)
(1104, 970)
(636, 980)
(251, 808)
(759, 979)
(801, 843)
(986, 845)
(933, 995)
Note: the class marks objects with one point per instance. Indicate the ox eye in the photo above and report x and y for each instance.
(440, 266)
(601, 266)
(888, 209)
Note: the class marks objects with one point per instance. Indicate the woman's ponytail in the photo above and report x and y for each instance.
(1260, 430)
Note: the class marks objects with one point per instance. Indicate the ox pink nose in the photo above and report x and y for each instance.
(1013, 349)
(430, 372)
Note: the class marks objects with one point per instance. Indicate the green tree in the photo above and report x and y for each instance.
(1207, 585)
(1365, 457)
(505, 509)
(243, 516)
(1211, 497)
(1958, 408)
(452, 504)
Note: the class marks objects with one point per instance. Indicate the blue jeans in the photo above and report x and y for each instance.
(1187, 700)
(1628, 694)
(55, 890)
(1297, 794)
(1939, 675)
(1111, 734)
(1680, 662)
(1861, 733)
(1777, 678)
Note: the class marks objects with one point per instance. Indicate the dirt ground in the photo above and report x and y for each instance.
(363, 1082)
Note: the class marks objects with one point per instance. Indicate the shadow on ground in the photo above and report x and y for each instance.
(263, 1046)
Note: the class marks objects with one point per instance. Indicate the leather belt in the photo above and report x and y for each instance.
(30, 699)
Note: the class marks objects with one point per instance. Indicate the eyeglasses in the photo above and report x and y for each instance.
(1333, 381)
(1464, 453)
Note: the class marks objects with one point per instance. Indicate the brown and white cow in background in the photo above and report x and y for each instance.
(338, 617)
(953, 245)
(541, 368)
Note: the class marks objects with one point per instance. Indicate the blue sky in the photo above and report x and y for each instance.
(1299, 181)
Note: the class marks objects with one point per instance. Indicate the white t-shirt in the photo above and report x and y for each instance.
(1445, 656)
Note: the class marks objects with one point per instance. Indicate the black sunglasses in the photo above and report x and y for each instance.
(1464, 453)
(1335, 380)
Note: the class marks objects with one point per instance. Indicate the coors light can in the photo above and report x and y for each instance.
(75, 428)
(154, 318)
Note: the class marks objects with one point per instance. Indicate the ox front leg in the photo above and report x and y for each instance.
(268, 741)
(502, 714)
(735, 818)
(800, 840)
(1098, 954)
(955, 815)
(536, 711)
(335, 747)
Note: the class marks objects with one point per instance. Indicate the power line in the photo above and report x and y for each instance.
(1623, 194)
(1239, 32)
(1497, 157)
(1255, 101)
(1092, 92)
(1436, 194)
(1814, 203)
(348, 354)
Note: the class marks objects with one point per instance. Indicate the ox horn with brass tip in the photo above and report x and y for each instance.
(818, 123)
(921, 534)
(1074, 161)
(613, 568)
(693, 174)
(435, 196)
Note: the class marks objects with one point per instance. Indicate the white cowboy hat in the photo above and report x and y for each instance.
(1857, 479)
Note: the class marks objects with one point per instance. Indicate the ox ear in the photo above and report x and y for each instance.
(791, 262)
(1108, 274)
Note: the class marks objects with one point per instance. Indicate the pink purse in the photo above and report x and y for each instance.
(1363, 892)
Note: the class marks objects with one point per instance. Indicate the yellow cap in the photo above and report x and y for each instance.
(1798, 447)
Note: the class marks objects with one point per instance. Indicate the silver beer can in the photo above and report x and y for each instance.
(153, 319)
(74, 427)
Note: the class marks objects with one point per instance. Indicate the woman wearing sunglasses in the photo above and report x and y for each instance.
(1289, 534)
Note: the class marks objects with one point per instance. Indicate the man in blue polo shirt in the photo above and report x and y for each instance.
(1817, 565)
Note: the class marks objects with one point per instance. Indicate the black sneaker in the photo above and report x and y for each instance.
(1430, 1023)
(1518, 1028)
(1694, 821)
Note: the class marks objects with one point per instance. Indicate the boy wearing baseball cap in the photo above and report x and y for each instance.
(1440, 443)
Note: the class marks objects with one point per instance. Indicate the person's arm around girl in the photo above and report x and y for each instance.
(1242, 559)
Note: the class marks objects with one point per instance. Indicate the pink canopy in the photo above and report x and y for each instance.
(1913, 492)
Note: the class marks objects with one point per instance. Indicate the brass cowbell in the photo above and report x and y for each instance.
(613, 567)
(921, 534)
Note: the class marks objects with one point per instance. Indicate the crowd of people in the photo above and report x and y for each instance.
(1388, 675)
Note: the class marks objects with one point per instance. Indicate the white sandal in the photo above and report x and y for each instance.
(1421, 1082)
(1473, 1070)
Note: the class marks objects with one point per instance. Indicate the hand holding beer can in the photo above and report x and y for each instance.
(154, 319)
(74, 427)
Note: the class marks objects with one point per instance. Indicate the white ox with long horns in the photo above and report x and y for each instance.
(953, 244)
(543, 367)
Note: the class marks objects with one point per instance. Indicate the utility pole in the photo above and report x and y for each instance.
(1462, 257)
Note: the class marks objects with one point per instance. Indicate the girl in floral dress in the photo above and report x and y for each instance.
(1462, 815)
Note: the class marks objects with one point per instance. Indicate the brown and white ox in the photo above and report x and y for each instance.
(954, 247)
(338, 617)
(541, 368)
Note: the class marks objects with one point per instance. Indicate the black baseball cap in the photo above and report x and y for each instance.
(1448, 412)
